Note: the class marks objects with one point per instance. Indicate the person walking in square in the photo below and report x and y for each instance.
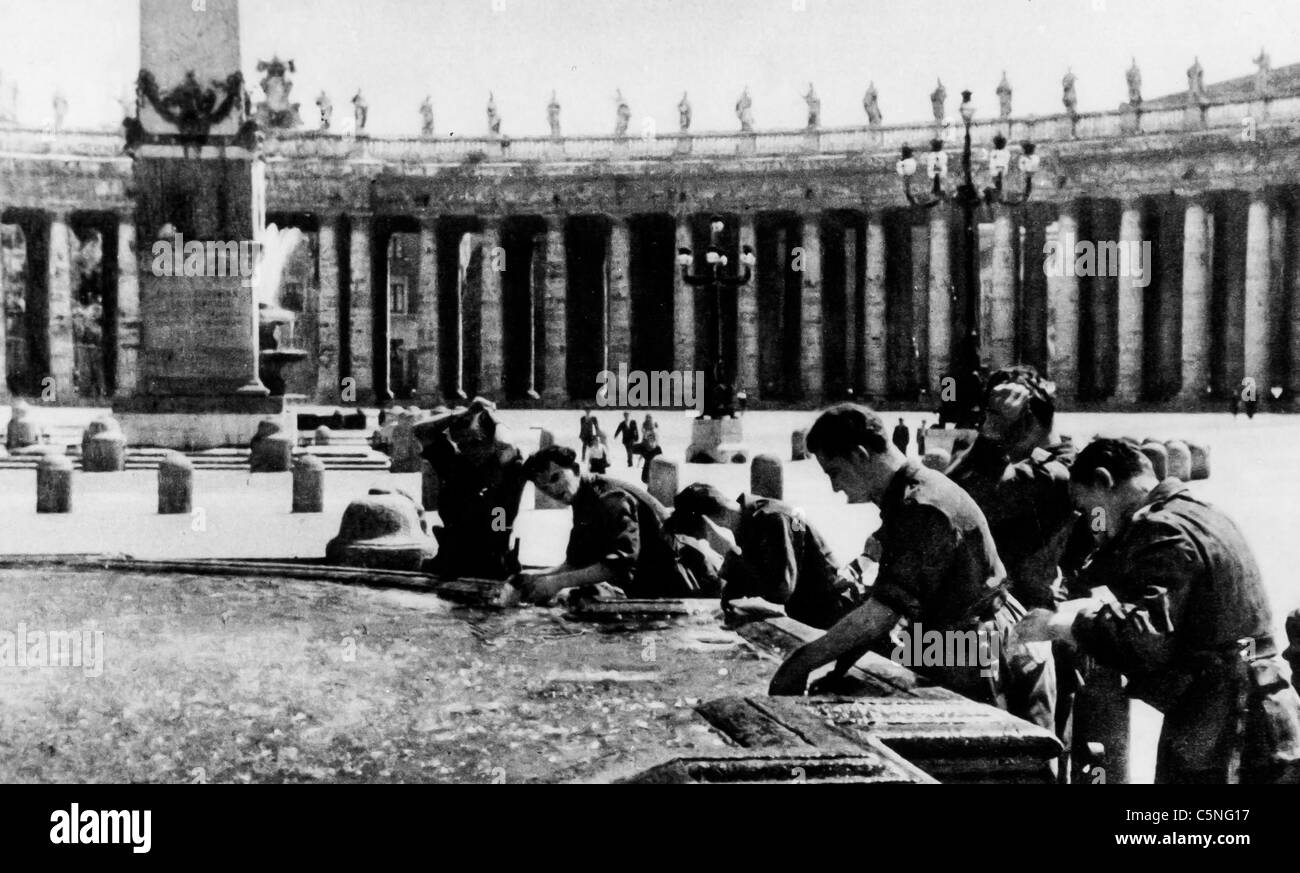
(628, 430)
(902, 437)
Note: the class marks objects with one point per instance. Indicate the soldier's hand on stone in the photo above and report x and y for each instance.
(533, 587)
(1008, 405)
(1035, 627)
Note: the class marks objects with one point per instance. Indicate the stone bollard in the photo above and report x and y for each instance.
(322, 436)
(103, 447)
(937, 459)
(799, 445)
(271, 450)
(430, 486)
(22, 430)
(1180, 460)
(767, 477)
(54, 484)
(1200, 460)
(175, 484)
(1158, 455)
(382, 530)
(663, 481)
(309, 484)
(545, 439)
(406, 448)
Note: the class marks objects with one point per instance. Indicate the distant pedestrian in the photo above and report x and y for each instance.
(902, 436)
(920, 439)
(631, 435)
(598, 451)
(649, 446)
(586, 428)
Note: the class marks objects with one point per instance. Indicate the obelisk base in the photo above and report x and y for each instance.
(196, 423)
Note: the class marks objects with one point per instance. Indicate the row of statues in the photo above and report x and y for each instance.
(277, 112)
(870, 102)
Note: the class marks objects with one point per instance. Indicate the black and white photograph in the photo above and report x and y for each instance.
(651, 392)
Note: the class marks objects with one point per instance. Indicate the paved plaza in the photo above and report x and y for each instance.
(1255, 474)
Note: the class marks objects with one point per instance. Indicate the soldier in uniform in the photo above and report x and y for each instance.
(1017, 470)
(480, 483)
(769, 551)
(618, 535)
(1189, 624)
(938, 565)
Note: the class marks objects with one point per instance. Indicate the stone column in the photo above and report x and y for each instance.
(491, 361)
(683, 305)
(1128, 377)
(1258, 278)
(361, 338)
(62, 362)
(1277, 296)
(810, 321)
(1292, 291)
(128, 308)
(328, 371)
(427, 344)
(849, 329)
(940, 346)
(556, 355)
(4, 365)
(1001, 344)
(618, 266)
(747, 378)
(874, 303)
(1063, 307)
(1196, 299)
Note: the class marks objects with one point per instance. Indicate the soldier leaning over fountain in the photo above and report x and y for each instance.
(769, 551)
(1189, 623)
(938, 568)
(618, 536)
(481, 481)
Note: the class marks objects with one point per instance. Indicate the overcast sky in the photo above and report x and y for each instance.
(456, 50)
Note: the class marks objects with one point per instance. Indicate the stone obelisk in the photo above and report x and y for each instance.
(199, 186)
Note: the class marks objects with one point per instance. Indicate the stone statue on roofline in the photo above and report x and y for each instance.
(493, 117)
(938, 97)
(326, 107)
(684, 114)
(553, 115)
(814, 108)
(276, 112)
(360, 111)
(624, 115)
(1069, 98)
(426, 116)
(871, 103)
(1134, 79)
(1196, 80)
(1265, 65)
(1004, 97)
(744, 111)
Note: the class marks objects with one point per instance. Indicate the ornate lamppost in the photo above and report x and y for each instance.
(719, 388)
(968, 199)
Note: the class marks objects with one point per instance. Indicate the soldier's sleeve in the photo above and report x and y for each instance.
(621, 535)
(1154, 573)
(916, 557)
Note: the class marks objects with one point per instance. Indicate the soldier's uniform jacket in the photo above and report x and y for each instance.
(939, 568)
(1028, 508)
(622, 526)
(1192, 631)
(785, 560)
